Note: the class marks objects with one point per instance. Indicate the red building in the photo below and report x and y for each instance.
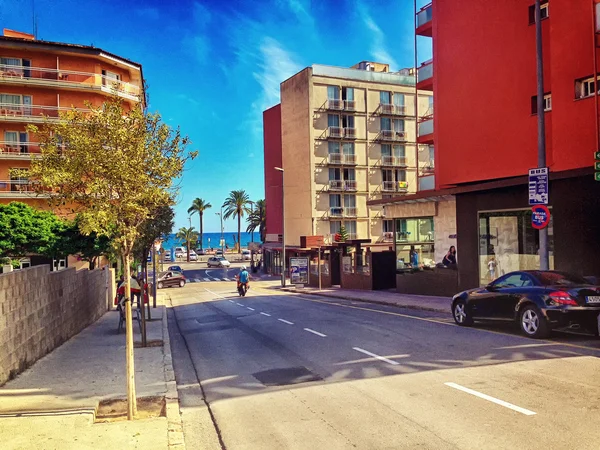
(483, 75)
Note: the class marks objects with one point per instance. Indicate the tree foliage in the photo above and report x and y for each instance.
(187, 236)
(258, 219)
(236, 205)
(342, 235)
(199, 206)
(155, 227)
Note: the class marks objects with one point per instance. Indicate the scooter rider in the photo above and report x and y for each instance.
(243, 276)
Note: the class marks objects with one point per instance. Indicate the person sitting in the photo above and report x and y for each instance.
(450, 257)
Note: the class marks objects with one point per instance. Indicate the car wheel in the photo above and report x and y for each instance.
(461, 314)
(160, 285)
(533, 324)
(181, 283)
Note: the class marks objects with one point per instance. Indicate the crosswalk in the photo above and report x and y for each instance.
(212, 279)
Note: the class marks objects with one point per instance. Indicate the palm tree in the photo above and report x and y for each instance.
(258, 219)
(236, 205)
(199, 206)
(187, 236)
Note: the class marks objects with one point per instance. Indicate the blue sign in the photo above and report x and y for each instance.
(299, 270)
(540, 217)
(538, 186)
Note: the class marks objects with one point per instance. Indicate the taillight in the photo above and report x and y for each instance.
(562, 298)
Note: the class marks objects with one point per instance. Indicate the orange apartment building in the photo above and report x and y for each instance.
(38, 80)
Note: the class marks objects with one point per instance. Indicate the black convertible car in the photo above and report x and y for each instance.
(536, 300)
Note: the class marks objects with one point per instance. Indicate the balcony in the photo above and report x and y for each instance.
(388, 236)
(350, 133)
(394, 161)
(428, 169)
(425, 131)
(18, 150)
(392, 136)
(10, 112)
(350, 105)
(394, 186)
(342, 159)
(387, 109)
(425, 76)
(425, 21)
(66, 79)
(350, 211)
(343, 185)
(334, 105)
(335, 132)
(350, 185)
(336, 211)
(16, 189)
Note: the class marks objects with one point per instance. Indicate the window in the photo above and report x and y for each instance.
(511, 281)
(110, 77)
(348, 93)
(386, 150)
(348, 121)
(399, 151)
(334, 147)
(333, 93)
(335, 200)
(349, 174)
(348, 148)
(350, 226)
(385, 98)
(15, 66)
(398, 99)
(16, 141)
(385, 124)
(400, 175)
(349, 200)
(335, 174)
(333, 120)
(585, 87)
(547, 103)
(545, 12)
(334, 227)
(398, 125)
(388, 226)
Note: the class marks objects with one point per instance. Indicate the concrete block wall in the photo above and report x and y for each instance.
(39, 310)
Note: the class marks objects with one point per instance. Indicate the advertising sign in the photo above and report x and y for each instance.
(299, 271)
(538, 186)
(540, 217)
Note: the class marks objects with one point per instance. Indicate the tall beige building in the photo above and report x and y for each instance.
(348, 135)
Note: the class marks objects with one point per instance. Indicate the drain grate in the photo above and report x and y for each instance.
(286, 376)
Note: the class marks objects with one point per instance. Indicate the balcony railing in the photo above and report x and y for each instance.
(335, 132)
(336, 185)
(395, 136)
(394, 186)
(428, 169)
(350, 105)
(335, 104)
(388, 236)
(394, 161)
(66, 78)
(31, 113)
(350, 211)
(336, 211)
(18, 150)
(424, 15)
(425, 72)
(342, 158)
(350, 185)
(388, 109)
(15, 186)
(350, 133)
(426, 127)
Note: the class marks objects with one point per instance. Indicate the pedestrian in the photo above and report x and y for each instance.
(492, 268)
(414, 257)
(450, 257)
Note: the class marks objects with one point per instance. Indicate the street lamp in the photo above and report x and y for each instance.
(220, 214)
(279, 169)
(251, 212)
(156, 249)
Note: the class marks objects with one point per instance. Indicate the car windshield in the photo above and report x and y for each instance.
(560, 279)
(221, 259)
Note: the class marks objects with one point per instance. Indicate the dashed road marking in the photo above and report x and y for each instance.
(381, 358)
(251, 309)
(491, 399)
(265, 314)
(286, 321)
(315, 332)
(239, 304)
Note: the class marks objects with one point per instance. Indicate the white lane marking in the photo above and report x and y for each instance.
(239, 304)
(265, 314)
(206, 279)
(197, 280)
(231, 301)
(251, 309)
(491, 399)
(381, 358)
(285, 321)
(213, 293)
(315, 332)
(526, 346)
(215, 279)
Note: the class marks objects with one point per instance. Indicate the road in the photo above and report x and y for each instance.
(286, 371)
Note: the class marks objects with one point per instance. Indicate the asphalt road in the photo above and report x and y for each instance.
(283, 371)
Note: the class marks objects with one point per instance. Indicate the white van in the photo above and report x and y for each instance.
(180, 252)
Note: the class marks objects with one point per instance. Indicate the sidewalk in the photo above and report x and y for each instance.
(52, 404)
(421, 302)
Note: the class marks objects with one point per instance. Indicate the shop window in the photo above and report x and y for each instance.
(508, 242)
(414, 236)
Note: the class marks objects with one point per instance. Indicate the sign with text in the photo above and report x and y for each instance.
(538, 186)
(299, 270)
(540, 217)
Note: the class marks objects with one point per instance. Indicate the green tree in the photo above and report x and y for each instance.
(199, 206)
(115, 165)
(71, 241)
(258, 219)
(187, 236)
(157, 226)
(342, 235)
(236, 205)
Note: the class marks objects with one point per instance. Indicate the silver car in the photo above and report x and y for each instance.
(218, 261)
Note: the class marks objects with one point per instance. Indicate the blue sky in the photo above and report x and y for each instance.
(212, 67)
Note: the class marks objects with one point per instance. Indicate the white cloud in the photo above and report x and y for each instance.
(197, 42)
(378, 49)
(300, 10)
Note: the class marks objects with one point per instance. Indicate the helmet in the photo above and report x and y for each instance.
(243, 267)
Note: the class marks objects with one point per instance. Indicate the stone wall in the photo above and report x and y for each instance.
(39, 310)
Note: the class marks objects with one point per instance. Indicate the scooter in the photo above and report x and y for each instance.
(242, 288)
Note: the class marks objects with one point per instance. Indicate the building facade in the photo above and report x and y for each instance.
(486, 143)
(348, 135)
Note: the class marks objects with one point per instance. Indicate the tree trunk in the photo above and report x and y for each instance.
(129, 360)
(239, 242)
(188, 249)
(151, 249)
(142, 283)
(201, 232)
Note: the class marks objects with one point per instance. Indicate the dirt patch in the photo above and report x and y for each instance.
(115, 410)
(151, 343)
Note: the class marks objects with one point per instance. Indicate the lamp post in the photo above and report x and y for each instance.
(156, 249)
(282, 225)
(251, 212)
(220, 214)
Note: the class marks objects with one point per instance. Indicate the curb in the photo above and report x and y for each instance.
(376, 302)
(174, 423)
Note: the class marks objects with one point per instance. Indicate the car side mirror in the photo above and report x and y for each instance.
(491, 288)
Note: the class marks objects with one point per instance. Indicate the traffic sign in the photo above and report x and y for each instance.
(597, 176)
(538, 186)
(596, 155)
(540, 217)
(597, 165)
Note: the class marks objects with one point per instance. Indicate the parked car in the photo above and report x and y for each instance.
(219, 252)
(246, 255)
(201, 252)
(538, 301)
(193, 256)
(180, 252)
(175, 268)
(167, 256)
(170, 278)
(218, 261)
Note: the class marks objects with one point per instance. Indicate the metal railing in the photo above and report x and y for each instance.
(350, 185)
(425, 71)
(336, 211)
(350, 105)
(15, 186)
(426, 127)
(335, 132)
(19, 150)
(394, 186)
(394, 161)
(350, 133)
(390, 135)
(341, 158)
(66, 78)
(350, 211)
(336, 185)
(425, 15)
(392, 110)
(388, 236)
(335, 104)
(32, 113)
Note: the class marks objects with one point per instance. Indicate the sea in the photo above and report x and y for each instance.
(212, 240)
